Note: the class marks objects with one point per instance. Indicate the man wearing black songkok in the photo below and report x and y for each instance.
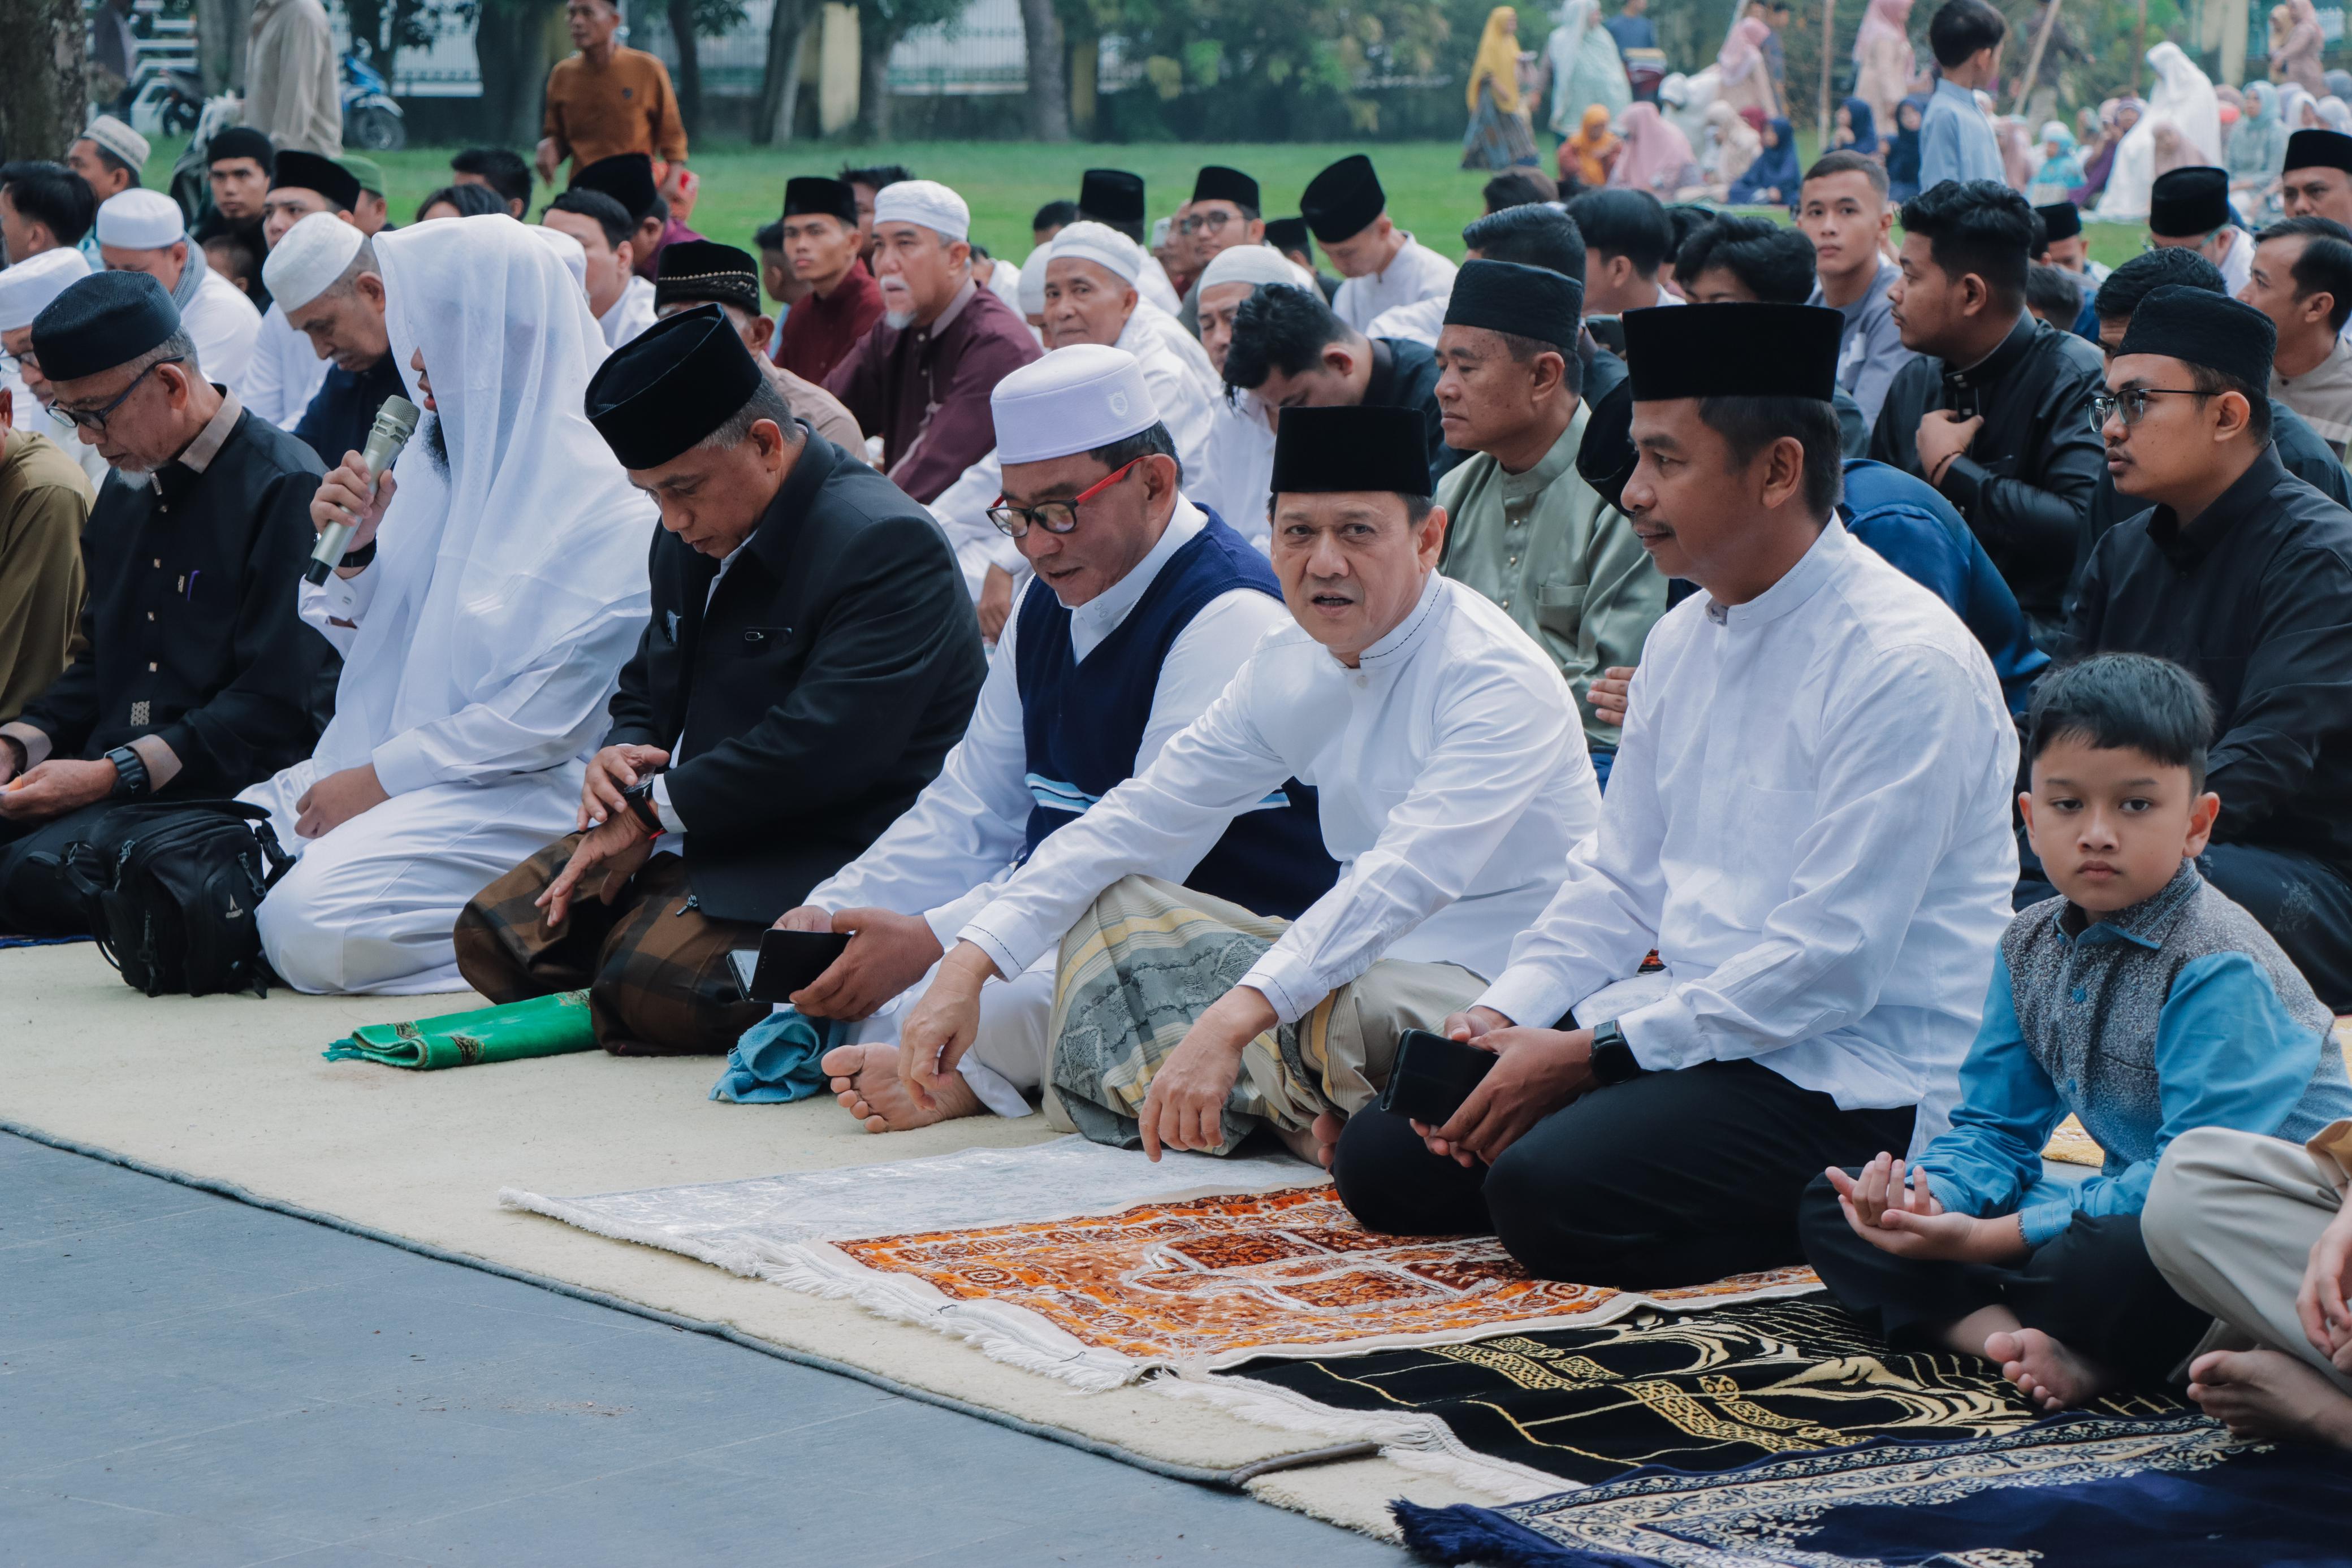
(196, 673)
(1223, 213)
(2243, 574)
(2189, 209)
(811, 658)
(2316, 179)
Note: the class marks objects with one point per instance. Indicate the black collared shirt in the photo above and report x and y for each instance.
(189, 632)
(2254, 595)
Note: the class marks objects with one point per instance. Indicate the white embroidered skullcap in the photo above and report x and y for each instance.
(1073, 400)
(567, 250)
(1033, 281)
(140, 219)
(119, 140)
(306, 262)
(27, 287)
(924, 201)
(1102, 244)
(1250, 263)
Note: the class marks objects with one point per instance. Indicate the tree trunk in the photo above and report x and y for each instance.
(511, 43)
(1049, 90)
(44, 86)
(689, 67)
(780, 80)
(873, 80)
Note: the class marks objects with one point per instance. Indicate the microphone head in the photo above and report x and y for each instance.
(397, 418)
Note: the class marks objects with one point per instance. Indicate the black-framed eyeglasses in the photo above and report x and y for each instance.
(2133, 402)
(1214, 219)
(94, 419)
(1054, 516)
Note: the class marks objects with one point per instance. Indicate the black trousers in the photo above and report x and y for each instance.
(1671, 1178)
(2305, 903)
(34, 898)
(2092, 1288)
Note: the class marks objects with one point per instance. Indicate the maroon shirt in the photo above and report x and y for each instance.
(924, 390)
(817, 334)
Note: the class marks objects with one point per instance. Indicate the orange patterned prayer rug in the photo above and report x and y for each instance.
(1213, 1282)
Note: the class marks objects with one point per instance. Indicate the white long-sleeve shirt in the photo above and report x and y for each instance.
(1420, 321)
(286, 372)
(1239, 478)
(1415, 273)
(629, 315)
(944, 857)
(223, 324)
(1809, 818)
(1450, 780)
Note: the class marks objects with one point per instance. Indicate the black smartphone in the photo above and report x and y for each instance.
(1432, 1076)
(786, 961)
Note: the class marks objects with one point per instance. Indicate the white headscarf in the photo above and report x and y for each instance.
(514, 585)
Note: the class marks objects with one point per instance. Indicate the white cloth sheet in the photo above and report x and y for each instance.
(1416, 273)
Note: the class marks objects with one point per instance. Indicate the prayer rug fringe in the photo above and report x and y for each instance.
(737, 1257)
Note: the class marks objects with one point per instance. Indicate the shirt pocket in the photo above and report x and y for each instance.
(1560, 608)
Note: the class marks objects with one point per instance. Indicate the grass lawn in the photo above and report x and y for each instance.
(1007, 181)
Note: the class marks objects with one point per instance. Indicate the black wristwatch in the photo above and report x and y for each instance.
(639, 799)
(1612, 1058)
(354, 559)
(129, 773)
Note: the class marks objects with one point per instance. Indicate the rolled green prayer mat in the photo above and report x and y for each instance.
(543, 1026)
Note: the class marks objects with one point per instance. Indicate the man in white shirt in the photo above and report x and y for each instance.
(1141, 608)
(1346, 209)
(1240, 481)
(141, 231)
(287, 370)
(26, 288)
(1451, 777)
(1808, 820)
(622, 302)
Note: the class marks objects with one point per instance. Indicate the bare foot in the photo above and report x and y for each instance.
(2050, 1374)
(865, 1081)
(2269, 1394)
(1316, 1143)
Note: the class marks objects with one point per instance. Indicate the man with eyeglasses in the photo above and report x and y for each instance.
(1223, 213)
(2241, 573)
(196, 673)
(1142, 607)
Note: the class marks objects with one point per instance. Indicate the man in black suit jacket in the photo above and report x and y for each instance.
(812, 658)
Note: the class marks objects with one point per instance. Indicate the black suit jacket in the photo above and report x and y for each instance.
(837, 661)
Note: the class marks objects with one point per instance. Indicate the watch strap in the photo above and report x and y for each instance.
(1613, 1056)
(354, 559)
(639, 798)
(130, 772)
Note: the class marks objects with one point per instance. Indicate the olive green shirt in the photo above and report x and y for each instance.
(1558, 561)
(45, 498)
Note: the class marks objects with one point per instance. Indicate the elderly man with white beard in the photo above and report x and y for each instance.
(495, 584)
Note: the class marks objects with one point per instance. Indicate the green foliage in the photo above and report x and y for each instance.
(717, 18)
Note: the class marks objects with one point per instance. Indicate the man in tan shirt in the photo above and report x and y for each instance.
(607, 99)
(45, 498)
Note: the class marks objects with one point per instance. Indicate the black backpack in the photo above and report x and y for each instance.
(170, 888)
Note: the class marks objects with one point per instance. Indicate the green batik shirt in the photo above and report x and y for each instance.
(1560, 561)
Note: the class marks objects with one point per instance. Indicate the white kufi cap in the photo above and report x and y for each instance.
(567, 250)
(1250, 263)
(924, 201)
(1102, 244)
(314, 253)
(1033, 281)
(140, 219)
(27, 287)
(119, 140)
(1073, 400)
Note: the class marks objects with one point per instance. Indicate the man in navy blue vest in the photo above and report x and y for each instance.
(1142, 607)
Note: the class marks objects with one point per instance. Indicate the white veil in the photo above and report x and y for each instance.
(2183, 97)
(513, 585)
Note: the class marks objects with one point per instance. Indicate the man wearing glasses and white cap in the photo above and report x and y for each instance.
(142, 231)
(1141, 609)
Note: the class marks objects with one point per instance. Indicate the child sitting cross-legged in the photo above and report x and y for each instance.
(2143, 1001)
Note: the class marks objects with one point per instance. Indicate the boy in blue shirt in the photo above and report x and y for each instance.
(2143, 1001)
(1956, 141)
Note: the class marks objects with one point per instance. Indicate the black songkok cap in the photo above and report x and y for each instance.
(1114, 195)
(1215, 182)
(302, 171)
(2319, 149)
(2061, 220)
(1289, 233)
(2188, 202)
(243, 141)
(671, 385)
(1606, 458)
(2183, 322)
(1360, 447)
(626, 177)
(1341, 202)
(1732, 350)
(814, 194)
(1530, 301)
(698, 269)
(106, 319)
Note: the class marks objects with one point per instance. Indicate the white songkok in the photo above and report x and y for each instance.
(1033, 281)
(140, 219)
(568, 250)
(306, 262)
(119, 140)
(924, 201)
(1250, 263)
(27, 287)
(1073, 400)
(1102, 244)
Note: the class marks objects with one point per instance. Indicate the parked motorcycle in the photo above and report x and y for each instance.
(371, 120)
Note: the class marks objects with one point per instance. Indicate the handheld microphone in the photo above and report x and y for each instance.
(395, 421)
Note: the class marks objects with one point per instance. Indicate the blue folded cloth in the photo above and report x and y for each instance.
(776, 1061)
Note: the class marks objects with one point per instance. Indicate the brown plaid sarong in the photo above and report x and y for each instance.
(654, 969)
